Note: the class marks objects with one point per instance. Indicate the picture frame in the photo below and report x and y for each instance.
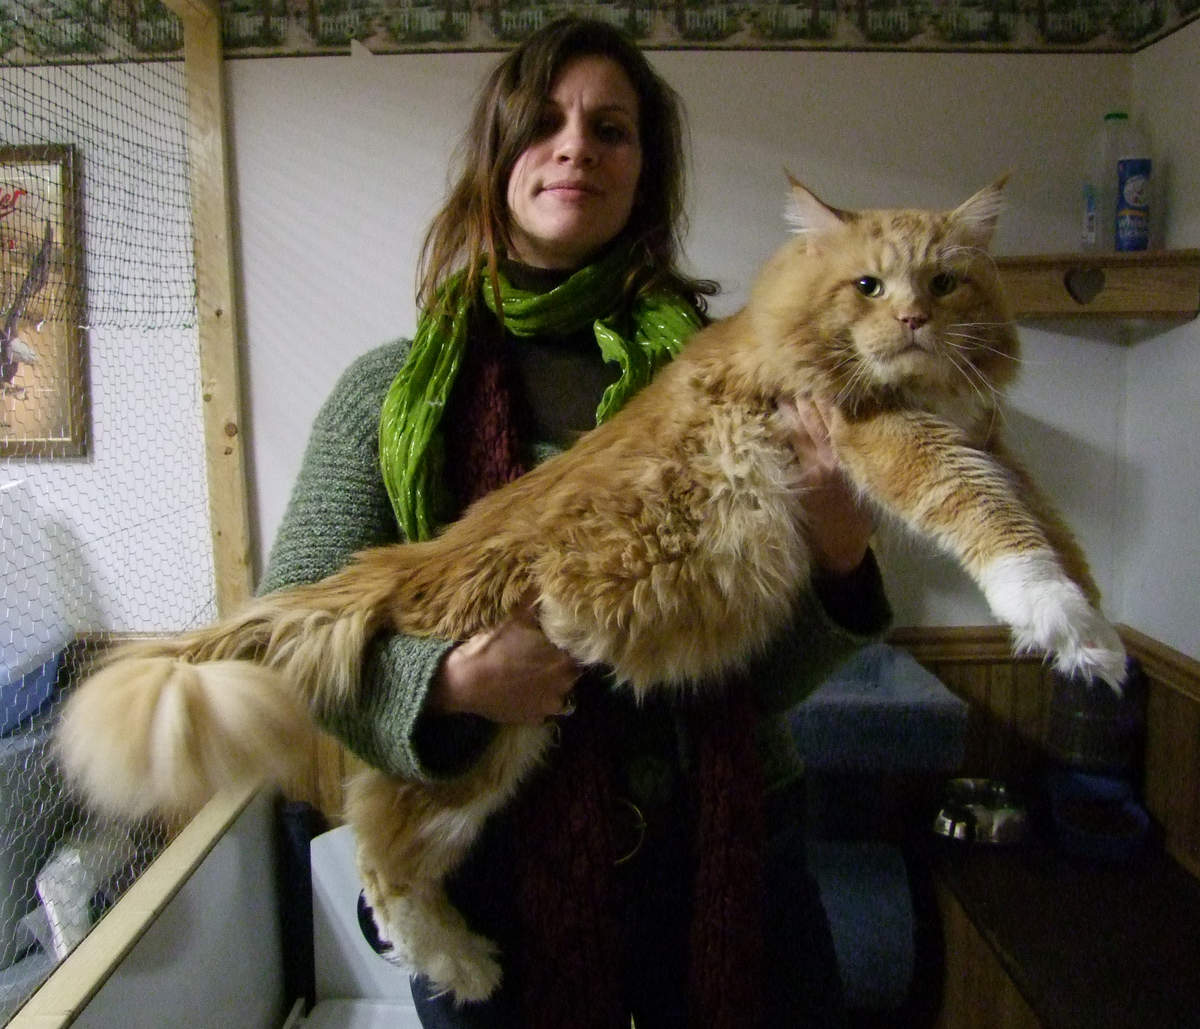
(44, 399)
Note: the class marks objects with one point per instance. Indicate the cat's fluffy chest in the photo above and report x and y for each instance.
(691, 550)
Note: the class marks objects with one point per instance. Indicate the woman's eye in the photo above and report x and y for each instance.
(547, 124)
(943, 284)
(869, 286)
(612, 132)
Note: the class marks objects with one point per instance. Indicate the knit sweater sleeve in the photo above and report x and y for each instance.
(338, 506)
(831, 620)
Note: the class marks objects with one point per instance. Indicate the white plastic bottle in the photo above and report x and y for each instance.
(1116, 191)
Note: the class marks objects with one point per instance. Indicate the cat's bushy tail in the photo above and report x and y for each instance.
(159, 735)
(162, 725)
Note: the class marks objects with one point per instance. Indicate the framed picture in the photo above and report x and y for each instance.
(43, 373)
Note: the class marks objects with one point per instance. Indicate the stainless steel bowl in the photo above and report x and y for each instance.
(981, 811)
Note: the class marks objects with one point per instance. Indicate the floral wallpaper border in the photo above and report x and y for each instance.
(52, 31)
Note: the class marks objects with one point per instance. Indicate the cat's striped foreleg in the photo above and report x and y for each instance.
(968, 500)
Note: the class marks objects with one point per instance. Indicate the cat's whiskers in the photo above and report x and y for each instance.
(972, 252)
(833, 367)
(851, 385)
(834, 362)
(975, 343)
(973, 377)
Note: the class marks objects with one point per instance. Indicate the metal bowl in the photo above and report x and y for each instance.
(981, 811)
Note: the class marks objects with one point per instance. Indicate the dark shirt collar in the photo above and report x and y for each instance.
(534, 280)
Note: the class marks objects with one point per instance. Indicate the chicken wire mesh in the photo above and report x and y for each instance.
(104, 526)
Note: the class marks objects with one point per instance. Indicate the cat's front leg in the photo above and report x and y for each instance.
(927, 473)
(1097, 649)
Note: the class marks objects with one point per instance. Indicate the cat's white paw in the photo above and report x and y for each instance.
(432, 938)
(1049, 612)
(470, 972)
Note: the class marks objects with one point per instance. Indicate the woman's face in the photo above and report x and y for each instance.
(572, 189)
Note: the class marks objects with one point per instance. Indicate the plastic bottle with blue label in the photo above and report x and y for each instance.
(1116, 192)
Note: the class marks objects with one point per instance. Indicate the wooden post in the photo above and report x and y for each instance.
(216, 305)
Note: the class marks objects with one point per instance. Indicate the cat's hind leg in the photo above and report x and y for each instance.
(430, 937)
(411, 836)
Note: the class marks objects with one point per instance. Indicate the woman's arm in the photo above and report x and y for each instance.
(846, 607)
(831, 620)
(339, 506)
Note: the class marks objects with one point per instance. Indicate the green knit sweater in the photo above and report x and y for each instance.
(339, 505)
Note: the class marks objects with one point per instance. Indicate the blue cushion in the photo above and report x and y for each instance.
(24, 698)
(864, 888)
(881, 712)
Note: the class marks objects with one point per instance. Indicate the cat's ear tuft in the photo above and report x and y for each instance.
(806, 214)
(978, 215)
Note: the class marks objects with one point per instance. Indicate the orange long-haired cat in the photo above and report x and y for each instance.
(667, 544)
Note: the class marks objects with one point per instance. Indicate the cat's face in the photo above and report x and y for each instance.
(899, 300)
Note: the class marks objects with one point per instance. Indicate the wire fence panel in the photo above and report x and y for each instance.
(104, 524)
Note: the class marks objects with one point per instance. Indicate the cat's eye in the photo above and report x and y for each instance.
(943, 284)
(869, 286)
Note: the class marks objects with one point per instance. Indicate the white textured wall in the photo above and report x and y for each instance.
(341, 161)
(1160, 499)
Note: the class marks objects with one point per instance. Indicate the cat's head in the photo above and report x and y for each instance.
(893, 300)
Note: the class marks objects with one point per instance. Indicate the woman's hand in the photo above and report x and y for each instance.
(510, 674)
(839, 524)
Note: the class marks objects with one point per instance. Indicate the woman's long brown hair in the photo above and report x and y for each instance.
(471, 231)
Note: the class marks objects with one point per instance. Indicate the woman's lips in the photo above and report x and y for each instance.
(570, 189)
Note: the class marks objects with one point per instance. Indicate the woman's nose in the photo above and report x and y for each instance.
(574, 145)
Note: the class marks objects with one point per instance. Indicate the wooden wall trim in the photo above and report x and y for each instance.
(968, 644)
(1164, 664)
(1009, 702)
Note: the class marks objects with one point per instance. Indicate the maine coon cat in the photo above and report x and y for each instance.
(667, 544)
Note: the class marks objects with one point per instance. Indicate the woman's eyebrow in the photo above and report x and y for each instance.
(619, 108)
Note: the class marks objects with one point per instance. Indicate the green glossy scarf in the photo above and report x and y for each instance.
(639, 341)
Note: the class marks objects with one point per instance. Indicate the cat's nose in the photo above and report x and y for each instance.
(913, 319)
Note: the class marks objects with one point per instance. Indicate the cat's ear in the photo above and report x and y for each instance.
(806, 214)
(978, 215)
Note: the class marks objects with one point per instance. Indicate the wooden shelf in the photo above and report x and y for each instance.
(1064, 943)
(1152, 284)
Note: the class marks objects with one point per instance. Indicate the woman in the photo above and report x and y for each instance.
(632, 875)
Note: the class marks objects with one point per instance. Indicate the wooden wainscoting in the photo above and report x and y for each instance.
(1010, 697)
(1172, 783)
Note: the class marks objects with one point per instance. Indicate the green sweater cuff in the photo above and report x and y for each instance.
(389, 729)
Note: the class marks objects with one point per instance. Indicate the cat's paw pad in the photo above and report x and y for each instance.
(1096, 652)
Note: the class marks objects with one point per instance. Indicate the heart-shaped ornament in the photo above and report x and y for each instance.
(1084, 284)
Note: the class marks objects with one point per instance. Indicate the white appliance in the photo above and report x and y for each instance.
(355, 987)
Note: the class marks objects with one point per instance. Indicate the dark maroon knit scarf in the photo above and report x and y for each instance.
(572, 941)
